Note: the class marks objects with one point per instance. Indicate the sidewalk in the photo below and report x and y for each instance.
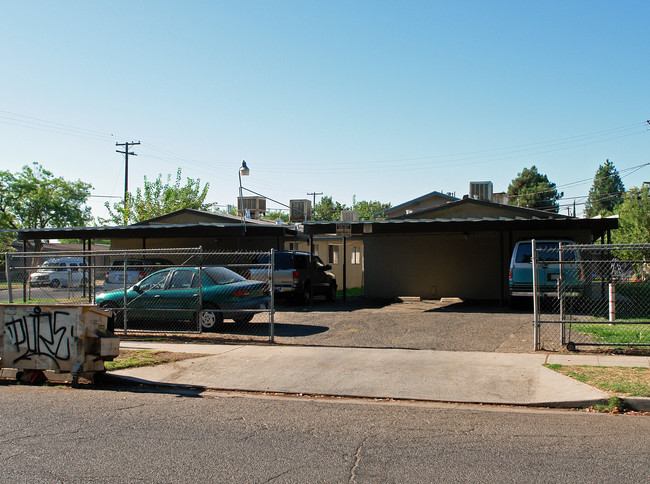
(442, 376)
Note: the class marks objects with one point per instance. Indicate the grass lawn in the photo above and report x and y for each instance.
(617, 380)
(632, 334)
(138, 358)
(350, 292)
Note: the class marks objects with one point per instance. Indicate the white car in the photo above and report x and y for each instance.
(61, 272)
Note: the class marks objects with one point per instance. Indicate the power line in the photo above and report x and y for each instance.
(632, 169)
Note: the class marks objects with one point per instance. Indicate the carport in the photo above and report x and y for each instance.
(454, 257)
(210, 236)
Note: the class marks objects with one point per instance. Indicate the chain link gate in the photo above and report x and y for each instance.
(154, 290)
(591, 295)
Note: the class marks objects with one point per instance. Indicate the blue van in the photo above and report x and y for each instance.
(520, 277)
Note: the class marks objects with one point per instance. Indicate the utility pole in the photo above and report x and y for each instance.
(126, 153)
(312, 207)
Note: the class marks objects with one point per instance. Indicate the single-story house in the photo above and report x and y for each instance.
(460, 249)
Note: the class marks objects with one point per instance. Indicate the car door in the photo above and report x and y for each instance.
(147, 299)
(521, 268)
(549, 265)
(320, 281)
(182, 293)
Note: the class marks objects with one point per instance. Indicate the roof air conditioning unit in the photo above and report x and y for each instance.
(299, 210)
(481, 190)
(253, 206)
(349, 215)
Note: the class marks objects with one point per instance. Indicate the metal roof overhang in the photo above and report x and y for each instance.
(157, 231)
(396, 227)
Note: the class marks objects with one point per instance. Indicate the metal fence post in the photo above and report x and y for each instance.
(536, 338)
(560, 293)
(612, 303)
(125, 318)
(272, 289)
(199, 309)
(8, 274)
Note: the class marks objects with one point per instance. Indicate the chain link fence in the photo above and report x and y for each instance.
(591, 295)
(154, 290)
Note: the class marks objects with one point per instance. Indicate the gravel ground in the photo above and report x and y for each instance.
(426, 325)
(431, 325)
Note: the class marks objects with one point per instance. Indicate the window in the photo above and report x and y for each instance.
(183, 279)
(316, 249)
(334, 254)
(355, 257)
(154, 282)
(294, 246)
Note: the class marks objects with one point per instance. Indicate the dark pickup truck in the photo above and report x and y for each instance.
(293, 278)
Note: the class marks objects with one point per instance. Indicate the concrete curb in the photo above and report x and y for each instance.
(638, 404)
(578, 404)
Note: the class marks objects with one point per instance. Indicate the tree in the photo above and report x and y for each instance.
(606, 192)
(156, 199)
(35, 199)
(369, 210)
(328, 210)
(634, 217)
(534, 190)
(276, 215)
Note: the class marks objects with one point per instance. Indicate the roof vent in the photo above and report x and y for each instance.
(481, 190)
(255, 206)
(349, 215)
(299, 210)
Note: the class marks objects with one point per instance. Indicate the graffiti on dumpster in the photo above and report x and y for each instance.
(42, 334)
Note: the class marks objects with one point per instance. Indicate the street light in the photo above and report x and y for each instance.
(243, 171)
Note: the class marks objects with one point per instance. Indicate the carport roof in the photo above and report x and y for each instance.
(484, 224)
(160, 231)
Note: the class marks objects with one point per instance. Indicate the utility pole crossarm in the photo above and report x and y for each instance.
(126, 154)
(312, 207)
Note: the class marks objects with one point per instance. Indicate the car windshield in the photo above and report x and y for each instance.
(546, 251)
(319, 262)
(50, 266)
(221, 275)
(283, 260)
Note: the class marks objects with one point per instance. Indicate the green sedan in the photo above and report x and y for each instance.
(201, 296)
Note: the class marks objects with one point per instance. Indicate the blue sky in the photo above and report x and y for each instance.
(383, 100)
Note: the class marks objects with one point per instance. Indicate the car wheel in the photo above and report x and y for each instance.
(306, 292)
(331, 293)
(55, 283)
(209, 319)
(241, 320)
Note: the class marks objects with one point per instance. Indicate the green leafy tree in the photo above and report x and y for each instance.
(34, 198)
(276, 215)
(606, 192)
(634, 217)
(328, 210)
(533, 189)
(157, 198)
(369, 210)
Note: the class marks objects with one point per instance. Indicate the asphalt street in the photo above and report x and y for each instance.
(52, 434)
